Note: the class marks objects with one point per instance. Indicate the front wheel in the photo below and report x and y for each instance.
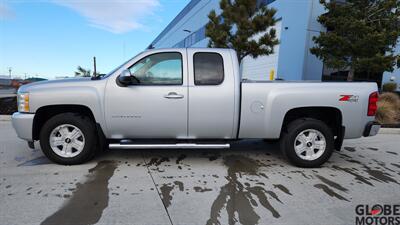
(68, 139)
(307, 142)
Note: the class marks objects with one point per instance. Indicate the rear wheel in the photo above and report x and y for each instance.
(307, 142)
(68, 138)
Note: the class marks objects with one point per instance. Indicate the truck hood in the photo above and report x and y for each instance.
(68, 82)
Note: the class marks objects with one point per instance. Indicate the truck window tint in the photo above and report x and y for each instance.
(161, 68)
(208, 68)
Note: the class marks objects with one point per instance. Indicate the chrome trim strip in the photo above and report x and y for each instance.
(168, 146)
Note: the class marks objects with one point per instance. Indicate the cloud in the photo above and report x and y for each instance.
(118, 16)
(5, 11)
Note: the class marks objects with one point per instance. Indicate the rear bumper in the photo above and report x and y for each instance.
(22, 123)
(371, 129)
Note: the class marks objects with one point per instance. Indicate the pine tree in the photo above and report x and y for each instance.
(361, 36)
(237, 25)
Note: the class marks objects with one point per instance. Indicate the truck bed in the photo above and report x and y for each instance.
(264, 104)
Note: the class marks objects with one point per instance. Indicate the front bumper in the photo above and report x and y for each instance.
(23, 123)
(371, 129)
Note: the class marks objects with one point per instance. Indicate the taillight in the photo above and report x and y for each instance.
(372, 107)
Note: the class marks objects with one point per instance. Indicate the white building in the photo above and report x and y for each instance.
(292, 60)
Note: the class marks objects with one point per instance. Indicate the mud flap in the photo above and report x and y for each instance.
(339, 139)
(31, 144)
(101, 139)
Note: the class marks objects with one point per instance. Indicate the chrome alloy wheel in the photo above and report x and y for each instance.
(67, 140)
(310, 144)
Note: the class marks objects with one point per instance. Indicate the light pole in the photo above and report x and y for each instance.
(94, 66)
(9, 71)
(187, 42)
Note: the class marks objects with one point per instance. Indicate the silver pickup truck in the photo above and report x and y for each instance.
(191, 98)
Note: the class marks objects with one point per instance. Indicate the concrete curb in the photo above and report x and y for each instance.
(5, 117)
(389, 131)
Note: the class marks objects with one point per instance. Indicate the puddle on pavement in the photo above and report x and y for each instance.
(179, 184)
(214, 157)
(379, 175)
(332, 183)
(350, 149)
(383, 165)
(302, 173)
(353, 172)
(393, 153)
(19, 158)
(239, 200)
(396, 165)
(166, 194)
(37, 161)
(166, 191)
(201, 189)
(157, 161)
(282, 188)
(374, 174)
(328, 187)
(330, 192)
(87, 202)
(180, 158)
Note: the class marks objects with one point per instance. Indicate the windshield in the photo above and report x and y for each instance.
(119, 67)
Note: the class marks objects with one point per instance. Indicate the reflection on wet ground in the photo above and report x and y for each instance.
(36, 161)
(88, 200)
(248, 186)
(242, 179)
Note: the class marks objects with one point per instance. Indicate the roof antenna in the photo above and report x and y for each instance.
(94, 69)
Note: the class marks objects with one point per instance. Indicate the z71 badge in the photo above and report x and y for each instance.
(348, 98)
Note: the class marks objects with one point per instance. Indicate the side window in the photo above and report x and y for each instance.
(208, 68)
(158, 69)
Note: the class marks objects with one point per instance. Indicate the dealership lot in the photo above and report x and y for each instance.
(248, 184)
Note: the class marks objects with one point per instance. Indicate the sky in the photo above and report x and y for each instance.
(50, 38)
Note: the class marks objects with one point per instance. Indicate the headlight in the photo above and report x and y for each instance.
(23, 102)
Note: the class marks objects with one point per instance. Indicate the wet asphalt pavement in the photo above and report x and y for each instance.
(248, 184)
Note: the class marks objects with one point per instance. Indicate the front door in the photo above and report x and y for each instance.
(154, 108)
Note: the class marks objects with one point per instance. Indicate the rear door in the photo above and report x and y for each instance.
(211, 95)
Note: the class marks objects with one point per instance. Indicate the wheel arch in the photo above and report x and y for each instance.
(46, 112)
(330, 115)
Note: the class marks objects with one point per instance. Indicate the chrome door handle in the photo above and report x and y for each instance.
(173, 95)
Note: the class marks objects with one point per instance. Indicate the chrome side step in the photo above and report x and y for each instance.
(168, 146)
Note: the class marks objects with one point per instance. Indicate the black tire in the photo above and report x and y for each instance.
(296, 127)
(84, 123)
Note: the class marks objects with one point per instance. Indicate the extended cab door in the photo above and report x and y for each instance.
(157, 106)
(213, 94)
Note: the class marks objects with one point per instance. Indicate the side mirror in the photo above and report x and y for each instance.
(126, 78)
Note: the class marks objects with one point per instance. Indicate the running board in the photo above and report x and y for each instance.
(168, 146)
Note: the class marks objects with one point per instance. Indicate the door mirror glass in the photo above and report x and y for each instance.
(126, 78)
(126, 73)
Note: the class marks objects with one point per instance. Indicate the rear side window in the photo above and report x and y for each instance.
(208, 68)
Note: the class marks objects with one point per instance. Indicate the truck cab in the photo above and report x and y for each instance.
(173, 92)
